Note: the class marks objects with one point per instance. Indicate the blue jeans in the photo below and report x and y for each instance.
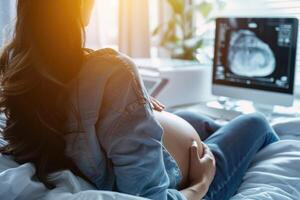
(234, 147)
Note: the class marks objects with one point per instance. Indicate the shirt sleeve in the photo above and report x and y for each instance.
(134, 142)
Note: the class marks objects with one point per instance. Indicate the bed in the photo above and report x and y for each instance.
(275, 172)
(273, 175)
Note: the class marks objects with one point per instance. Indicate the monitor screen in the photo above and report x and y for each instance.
(256, 53)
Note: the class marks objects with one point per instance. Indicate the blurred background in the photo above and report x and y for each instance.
(162, 28)
(128, 25)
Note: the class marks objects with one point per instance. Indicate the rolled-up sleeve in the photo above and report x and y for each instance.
(133, 143)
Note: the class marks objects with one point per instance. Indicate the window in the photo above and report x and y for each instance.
(7, 13)
(102, 31)
(103, 28)
(155, 19)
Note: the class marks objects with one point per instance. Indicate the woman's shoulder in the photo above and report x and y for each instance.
(116, 72)
(101, 53)
(104, 72)
(109, 60)
(111, 77)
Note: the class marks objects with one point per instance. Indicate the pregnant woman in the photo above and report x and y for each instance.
(87, 111)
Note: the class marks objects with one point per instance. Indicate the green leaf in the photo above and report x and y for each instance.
(198, 44)
(177, 5)
(171, 24)
(167, 36)
(157, 30)
(205, 8)
(178, 35)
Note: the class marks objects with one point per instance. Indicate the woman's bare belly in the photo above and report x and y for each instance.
(178, 137)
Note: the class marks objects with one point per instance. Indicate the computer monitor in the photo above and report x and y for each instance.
(255, 59)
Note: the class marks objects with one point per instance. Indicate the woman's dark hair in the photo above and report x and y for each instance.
(36, 67)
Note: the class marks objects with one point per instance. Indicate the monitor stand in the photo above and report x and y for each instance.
(263, 108)
(267, 110)
(246, 106)
(231, 108)
(227, 103)
(226, 109)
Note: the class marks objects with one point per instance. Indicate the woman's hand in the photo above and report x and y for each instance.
(202, 168)
(202, 172)
(156, 105)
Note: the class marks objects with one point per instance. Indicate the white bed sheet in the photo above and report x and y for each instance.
(273, 175)
(288, 130)
(18, 182)
(275, 172)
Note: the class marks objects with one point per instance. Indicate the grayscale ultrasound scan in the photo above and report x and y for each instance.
(256, 53)
(250, 56)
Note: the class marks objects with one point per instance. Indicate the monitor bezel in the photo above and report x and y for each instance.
(289, 90)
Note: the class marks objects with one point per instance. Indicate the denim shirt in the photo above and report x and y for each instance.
(117, 142)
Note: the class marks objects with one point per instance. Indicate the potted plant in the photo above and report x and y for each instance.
(179, 35)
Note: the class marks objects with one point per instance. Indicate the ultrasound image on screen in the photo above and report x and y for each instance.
(250, 56)
(255, 53)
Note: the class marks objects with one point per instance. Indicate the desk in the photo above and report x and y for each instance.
(225, 112)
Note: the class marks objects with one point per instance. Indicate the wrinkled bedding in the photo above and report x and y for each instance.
(275, 172)
(273, 175)
(19, 182)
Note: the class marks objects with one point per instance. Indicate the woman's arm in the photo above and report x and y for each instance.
(195, 192)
